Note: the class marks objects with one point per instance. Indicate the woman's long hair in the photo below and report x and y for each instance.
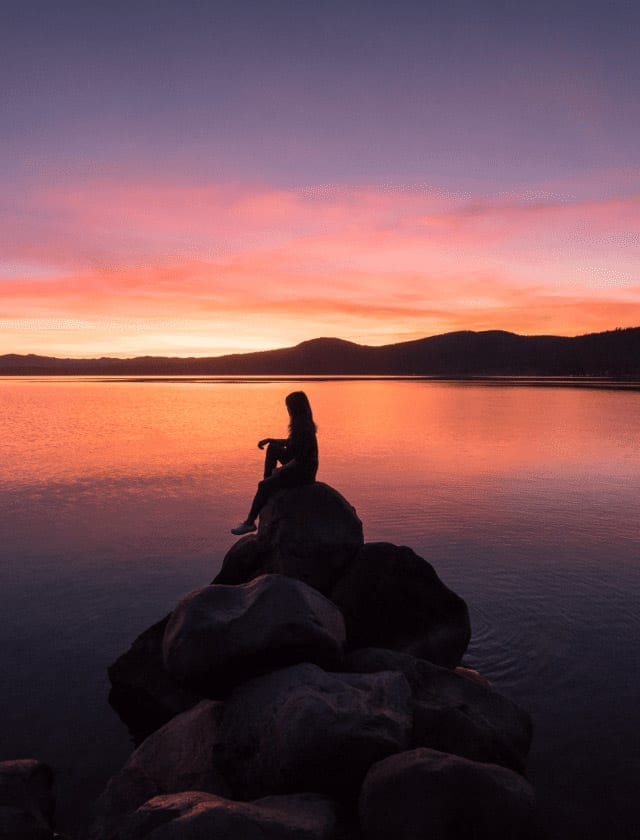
(301, 418)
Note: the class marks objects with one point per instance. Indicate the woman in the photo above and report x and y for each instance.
(298, 455)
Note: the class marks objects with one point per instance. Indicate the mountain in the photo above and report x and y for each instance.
(615, 353)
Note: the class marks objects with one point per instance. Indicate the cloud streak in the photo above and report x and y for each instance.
(174, 268)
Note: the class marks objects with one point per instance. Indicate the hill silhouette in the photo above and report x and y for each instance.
(615, 354)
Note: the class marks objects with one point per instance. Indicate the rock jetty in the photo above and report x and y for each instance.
(313, 691)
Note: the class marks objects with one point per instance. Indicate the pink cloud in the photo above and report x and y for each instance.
(227, 264)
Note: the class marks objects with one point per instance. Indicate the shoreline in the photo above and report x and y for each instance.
(525, 380)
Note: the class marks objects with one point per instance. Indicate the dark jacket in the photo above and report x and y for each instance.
(302, 447)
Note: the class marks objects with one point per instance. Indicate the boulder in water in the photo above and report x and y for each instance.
(142, 692)
(176, 758)
(196, 816)
(26, 800)
(453, 713)
(391, 598)
(304, 729)
(310, 533)
(424, 793)
(220, 635)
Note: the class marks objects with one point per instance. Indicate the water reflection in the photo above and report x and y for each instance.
(117, 497)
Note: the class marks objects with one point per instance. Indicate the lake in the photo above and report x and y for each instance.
(116, 498)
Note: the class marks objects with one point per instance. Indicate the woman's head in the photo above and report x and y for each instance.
(299, 410)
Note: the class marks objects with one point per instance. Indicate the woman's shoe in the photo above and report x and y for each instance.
(244, 528)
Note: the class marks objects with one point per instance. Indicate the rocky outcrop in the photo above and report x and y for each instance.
(304, 729)
(338, 667)
(394, 599)
(428, 794)
(453, 713)
(310, 533)
(220, 635)
(196, 815)
(176, 758)
(143, 693)
(26, 800)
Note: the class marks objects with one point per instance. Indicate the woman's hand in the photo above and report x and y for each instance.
(262, 443)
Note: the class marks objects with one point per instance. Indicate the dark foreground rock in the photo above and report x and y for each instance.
(26, 800)
(428, 795)
(176, 758)
(453, 713)
(202, 816)
(220, 635)
(392, 598)
(302, 729)
(310, 533)
(142, 692)
(320, 694)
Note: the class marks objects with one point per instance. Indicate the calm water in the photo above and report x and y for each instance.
(116, 497)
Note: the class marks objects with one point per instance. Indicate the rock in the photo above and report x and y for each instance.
(202, 816)
(220, 635)
(143, 693)
(26, 800)
(473, 675)
(392, 598)
(453, 713)
(310, 533)
(429, 794)
(176, 758)
(246, 559)
(303, 729)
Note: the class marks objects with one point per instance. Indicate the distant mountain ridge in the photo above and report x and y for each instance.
(615, 353)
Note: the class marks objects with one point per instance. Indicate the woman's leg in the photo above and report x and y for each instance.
(269, 485)
(266, 488)
(275, 452)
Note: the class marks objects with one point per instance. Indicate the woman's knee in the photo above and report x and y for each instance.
(275, 452)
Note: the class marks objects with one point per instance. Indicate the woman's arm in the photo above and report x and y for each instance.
(266, 441)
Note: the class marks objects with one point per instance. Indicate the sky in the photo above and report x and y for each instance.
(199, 177)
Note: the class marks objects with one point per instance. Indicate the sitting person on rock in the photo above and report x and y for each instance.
(298, 455)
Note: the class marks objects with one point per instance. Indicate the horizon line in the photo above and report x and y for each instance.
(309, 340)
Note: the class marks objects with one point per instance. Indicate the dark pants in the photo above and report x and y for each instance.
(270, 484)
(276, 454)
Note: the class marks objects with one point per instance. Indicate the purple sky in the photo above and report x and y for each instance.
(477, 102)
(495, 94)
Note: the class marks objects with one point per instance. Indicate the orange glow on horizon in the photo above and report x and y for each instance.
(126, 270)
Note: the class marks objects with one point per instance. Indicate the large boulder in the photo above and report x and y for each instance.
(176, 758)
(143, 693)
(303, 729)
(429, 795)
(310, 533)
(26, 800)
(391, 598)
(455, 713)
(220, 635)
(202, 816)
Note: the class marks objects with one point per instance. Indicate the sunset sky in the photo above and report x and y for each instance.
(197, 177)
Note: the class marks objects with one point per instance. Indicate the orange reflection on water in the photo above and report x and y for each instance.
(64, 430)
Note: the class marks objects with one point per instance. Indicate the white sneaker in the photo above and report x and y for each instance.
(244, 528)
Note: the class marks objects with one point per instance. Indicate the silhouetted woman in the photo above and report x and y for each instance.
(298, 455)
